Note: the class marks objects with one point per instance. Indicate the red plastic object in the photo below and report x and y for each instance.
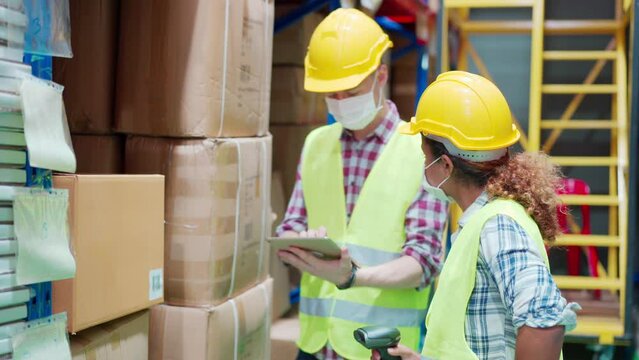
(578, 187)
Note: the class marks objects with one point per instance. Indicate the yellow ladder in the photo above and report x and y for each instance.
(612, 278)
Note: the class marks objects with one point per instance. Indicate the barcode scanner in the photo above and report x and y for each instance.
(378, 338)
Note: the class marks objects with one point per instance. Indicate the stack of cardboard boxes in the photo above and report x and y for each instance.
(116, 222)
(89, 83)
(294, 112)
(403, 86)
(193, 89)
(183, 92)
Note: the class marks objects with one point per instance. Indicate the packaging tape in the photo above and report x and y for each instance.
(237, 210)
(236, 328)
(238, 317)
(267, 65)
(267, 319)
(227, 11)
(265, 208)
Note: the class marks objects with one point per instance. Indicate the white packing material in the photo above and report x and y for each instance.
(41, 227)
(42, 339)
(45, 125)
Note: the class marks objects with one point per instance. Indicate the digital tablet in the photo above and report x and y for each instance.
(323, 248)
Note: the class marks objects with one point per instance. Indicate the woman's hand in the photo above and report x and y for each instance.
(336, 271)
(402, 351)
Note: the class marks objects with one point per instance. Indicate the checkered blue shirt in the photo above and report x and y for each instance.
(513, 288)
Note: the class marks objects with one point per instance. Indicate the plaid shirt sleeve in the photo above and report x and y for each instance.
(424, 224)
(295, 218)
(524, 281)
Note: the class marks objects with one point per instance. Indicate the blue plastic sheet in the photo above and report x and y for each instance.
(49, 28)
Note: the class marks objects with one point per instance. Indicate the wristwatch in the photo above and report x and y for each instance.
(350, 280)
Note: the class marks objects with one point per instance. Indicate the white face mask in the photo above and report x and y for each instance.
(436, 191)
(357, 112)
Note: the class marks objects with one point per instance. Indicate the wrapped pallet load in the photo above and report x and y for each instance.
(236, 329)
(89, 76)
(195, 68)
(217, 213)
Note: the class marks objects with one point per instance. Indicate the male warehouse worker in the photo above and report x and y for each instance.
(360, 182)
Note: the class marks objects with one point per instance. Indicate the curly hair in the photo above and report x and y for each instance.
(527, 178)
(531, 180)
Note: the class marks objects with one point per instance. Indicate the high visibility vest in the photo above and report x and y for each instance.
(374, 235)
(446, 319)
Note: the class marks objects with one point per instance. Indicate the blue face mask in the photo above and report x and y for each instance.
(436, 191)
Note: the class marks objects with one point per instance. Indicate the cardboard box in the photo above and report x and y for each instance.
(99, 154)
(281, 287)
(117, 233)
(290, 103)
(290, 45)
(403, 85)
(288, 141)
(284, 335)
(217, 213)
(89, 77)
(279, 201)
(237, 329)
(125, 338)
(195, 68)
(278, 271)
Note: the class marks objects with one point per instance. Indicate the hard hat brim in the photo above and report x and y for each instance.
(408, 128)
(413, 127)
(334, 85)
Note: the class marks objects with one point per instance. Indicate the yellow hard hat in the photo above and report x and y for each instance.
(345, 48)
(466, 110)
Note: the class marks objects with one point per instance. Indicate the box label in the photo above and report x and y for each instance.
(156, 284)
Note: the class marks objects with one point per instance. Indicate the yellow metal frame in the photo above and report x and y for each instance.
(457, 12)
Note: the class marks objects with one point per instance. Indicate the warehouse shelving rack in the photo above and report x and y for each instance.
(40, 304)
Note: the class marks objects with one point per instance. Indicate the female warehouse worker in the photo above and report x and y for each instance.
(496, 298)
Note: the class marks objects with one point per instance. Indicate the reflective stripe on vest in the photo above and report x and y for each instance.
(366, 256)
(355, 312)
(374, 235)
(446, 319)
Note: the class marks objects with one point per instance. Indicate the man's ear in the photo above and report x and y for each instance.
(382, 75)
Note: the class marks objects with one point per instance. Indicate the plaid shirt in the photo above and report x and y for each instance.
(513, 288)
(425, 218)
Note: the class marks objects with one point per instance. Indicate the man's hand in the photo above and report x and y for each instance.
(401, 351)
(336, 271)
